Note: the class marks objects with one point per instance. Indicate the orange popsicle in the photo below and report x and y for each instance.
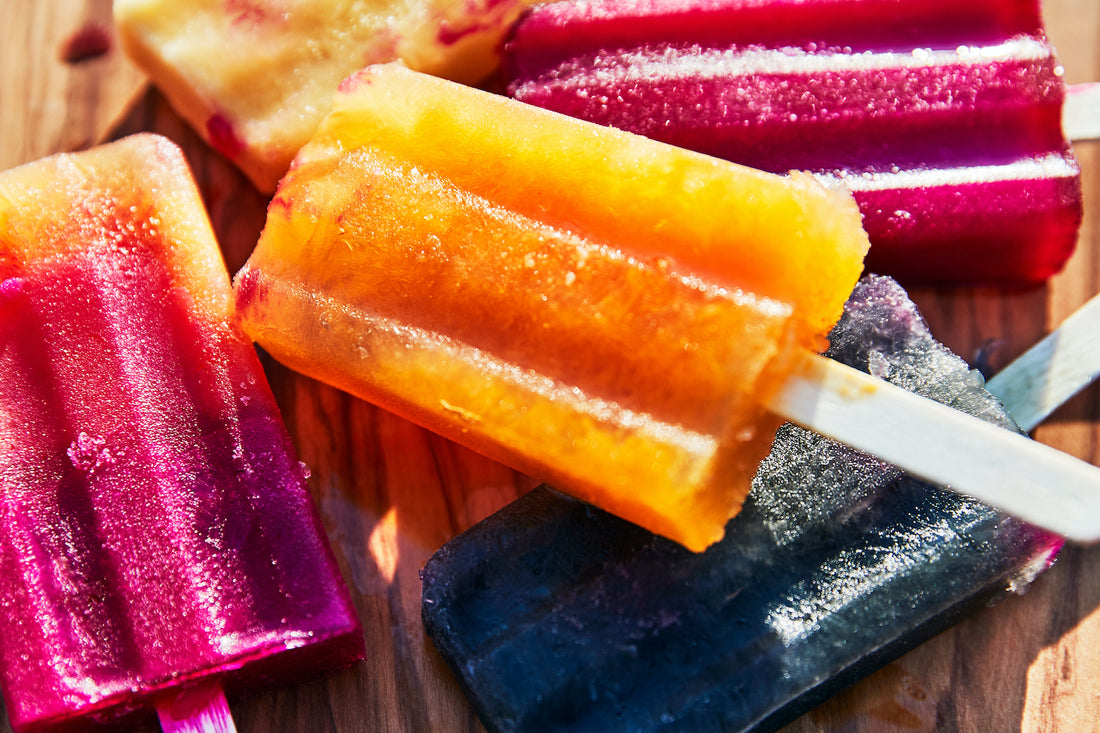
(591, 307)
(255, 78)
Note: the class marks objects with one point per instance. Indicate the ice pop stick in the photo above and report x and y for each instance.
(1032, 481)
(1052, 371)
(207, 711)
(1081, 113)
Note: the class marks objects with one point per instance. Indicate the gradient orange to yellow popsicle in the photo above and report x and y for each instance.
(593, 308)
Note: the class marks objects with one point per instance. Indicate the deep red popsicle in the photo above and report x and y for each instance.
(944, 118)
(157, 531)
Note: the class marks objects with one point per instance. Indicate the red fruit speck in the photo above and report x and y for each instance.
(223, 137)
(449, 35)
(356, 80)
(88, 42)
(245, 11)
(248, 288)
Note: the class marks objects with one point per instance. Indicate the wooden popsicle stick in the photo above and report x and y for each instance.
(1052, 371)
(1081, 112)
(200, 709)
(1030, 480)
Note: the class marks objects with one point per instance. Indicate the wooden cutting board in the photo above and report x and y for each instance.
(390, 493)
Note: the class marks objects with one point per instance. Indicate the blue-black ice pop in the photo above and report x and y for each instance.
(555, 615)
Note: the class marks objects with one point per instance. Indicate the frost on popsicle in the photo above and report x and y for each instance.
(586, 305)
(156, 529)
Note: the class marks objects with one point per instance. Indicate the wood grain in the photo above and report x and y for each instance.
(390, 493)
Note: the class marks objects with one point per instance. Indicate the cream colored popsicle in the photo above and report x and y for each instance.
(255, 78)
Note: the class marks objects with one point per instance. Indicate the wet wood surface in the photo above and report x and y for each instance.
(390, 493)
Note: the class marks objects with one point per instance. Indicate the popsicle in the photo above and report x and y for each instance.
(447, 254)
(1054, 370)
(158, 539)
(255, 78)
(943, 118)
(837, 565)
(461, 259)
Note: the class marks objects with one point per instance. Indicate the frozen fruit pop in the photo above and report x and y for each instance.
(836, 566)
(944, 118)
(548, 292)
(255, 78)
(157, 532)
(451, 255)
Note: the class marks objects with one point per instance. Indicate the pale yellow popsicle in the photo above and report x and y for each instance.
(255, 78)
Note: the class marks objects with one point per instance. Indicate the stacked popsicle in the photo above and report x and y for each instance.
(157, 532)
(543, 290)
(943, 118)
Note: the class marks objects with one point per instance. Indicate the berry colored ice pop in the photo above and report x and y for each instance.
(255, 78)
(943, 118)
(449, 254)
(837, 565)
(157, 537)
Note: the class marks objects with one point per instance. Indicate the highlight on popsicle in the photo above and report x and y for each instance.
(159, 547)
(594, 308)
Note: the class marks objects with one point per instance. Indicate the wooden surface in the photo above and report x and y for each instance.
(390, 494)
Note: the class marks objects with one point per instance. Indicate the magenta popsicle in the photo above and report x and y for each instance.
(944, 118)
(157, 532)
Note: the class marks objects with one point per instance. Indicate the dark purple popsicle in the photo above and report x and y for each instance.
(554, 615)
